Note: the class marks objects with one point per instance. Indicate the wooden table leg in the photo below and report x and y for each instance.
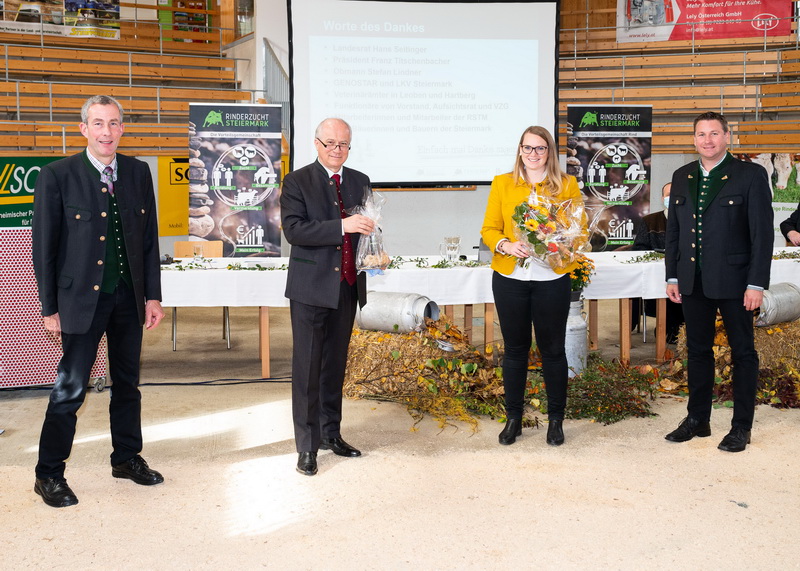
(625, 330)
(661, 329)
(468, 322)
(448, 311)
(488, 325)
(263, 337)
(593, 325)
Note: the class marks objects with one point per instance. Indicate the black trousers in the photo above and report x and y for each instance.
(320, 338)
(545, 304)
(700, 313)
(116, 315)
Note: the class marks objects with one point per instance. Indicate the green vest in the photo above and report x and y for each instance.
(703, 192)
(116, 260)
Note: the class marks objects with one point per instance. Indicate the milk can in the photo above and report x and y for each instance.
(577, 344)
(781, 303)
(396, 312)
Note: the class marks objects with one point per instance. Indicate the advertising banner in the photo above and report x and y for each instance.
(173, 196)
(17, 179)
(29, 354)
(234, 175)
(608, 151)
(784, 180)
(660, 20)
(74, 18)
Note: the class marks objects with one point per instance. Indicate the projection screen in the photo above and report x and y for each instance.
(437, 93)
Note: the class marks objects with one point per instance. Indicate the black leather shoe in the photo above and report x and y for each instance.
(136, 469)
(339, 447)
(555, 433)
(688, 429)
(307, 463)
(55, 492)
(512, 429)
(736, 440)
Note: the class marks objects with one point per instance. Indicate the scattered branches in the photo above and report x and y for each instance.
(459, 385)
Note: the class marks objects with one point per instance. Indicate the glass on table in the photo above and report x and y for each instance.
(450, 248)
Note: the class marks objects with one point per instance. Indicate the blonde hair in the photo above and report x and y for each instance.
(553, 182)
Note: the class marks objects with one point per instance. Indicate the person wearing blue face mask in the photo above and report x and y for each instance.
(653, 227)
(651, 235)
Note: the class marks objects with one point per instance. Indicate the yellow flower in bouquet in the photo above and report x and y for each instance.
(552, 231)
(532, 224)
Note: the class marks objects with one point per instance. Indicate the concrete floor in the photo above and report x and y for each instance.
(421, 497)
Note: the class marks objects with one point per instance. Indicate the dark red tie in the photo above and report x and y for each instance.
(348, 260)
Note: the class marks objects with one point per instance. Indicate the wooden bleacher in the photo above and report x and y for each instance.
(32, 101)
(632, 70)
(753, 81)
(133, 68)
(155, 71)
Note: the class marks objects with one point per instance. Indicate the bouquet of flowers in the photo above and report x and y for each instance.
(552, 231)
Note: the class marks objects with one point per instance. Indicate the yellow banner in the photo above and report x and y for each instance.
(173, 196)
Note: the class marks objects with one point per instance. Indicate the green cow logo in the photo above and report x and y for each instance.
(213, 118)
(589, 118)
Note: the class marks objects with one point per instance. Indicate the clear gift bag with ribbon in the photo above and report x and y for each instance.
(371, 254)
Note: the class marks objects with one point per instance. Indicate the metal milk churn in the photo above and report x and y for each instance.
(577, 343)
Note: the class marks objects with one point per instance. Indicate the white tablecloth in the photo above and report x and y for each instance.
(613, 279)
(233, 288)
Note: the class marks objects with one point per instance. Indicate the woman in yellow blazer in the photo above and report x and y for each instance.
(531, 293)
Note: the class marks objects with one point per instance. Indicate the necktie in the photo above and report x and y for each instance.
(109, 172)
(348, 259)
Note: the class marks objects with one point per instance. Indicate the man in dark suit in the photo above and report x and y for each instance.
(323, 288)
(718, 256)
(96, 260)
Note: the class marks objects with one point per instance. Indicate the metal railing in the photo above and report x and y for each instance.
(276, 85)
(48, 108)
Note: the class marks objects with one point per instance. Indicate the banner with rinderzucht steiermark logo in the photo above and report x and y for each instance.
(608, 151)
(234, 175)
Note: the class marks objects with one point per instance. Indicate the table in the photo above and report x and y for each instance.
(617, 279)
(613, 279)
(218, 287)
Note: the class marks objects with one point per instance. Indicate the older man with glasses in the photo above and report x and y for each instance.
(323, 288)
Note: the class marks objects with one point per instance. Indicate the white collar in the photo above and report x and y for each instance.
(331, 173)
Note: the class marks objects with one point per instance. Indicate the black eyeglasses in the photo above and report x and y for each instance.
(527, 149)
(337, 146)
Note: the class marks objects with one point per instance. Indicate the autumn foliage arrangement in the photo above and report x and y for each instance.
(465, 382)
